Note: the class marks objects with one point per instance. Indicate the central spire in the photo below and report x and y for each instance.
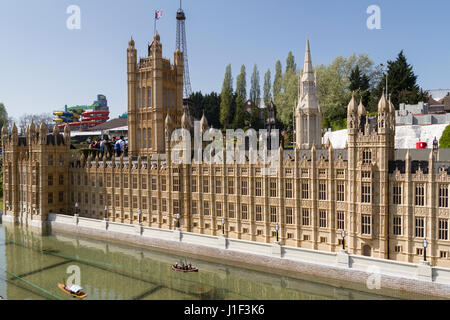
(308, 69)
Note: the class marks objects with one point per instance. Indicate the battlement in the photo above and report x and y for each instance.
(34, 137)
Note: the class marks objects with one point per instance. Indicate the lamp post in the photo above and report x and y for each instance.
(178, 221)
(139, 216)
(223, 226)
(343, 239)
(425, 245)
(277, 227)
(106, 212)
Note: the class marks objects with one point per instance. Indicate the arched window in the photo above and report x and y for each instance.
(367, 156)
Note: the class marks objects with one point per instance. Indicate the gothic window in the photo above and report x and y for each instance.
(340, 191)
(139, 97)
(205, 185)
(397, 193)
(206, 208)
(273, 188)
(244, 212)
(218, 185)
(230, 186)
(366, 192)
(258, 187)
(258, 211)
(420, 227)
(420, 195)
(149, 97)
(273, 214)
(194, 184)
(367, 157)
(305, 217)
(288, 190)
(289, 216)
(366, 224)
(443, 229)
(322, 219)
(244, 187)
(218, 209)
(340, 220)
(194, 207)
(176, 184)
(322, 190)
(397, 224)
(231, 210)
(305, 190)
(443, 196)
(176, 207)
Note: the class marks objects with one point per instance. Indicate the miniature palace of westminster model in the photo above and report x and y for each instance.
(386, 200)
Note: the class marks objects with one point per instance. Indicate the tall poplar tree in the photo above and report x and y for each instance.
(277, 82)
(226, 99)
(241, 97)
(255, 90)
(267, 88)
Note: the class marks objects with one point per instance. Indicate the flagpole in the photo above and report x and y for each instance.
(155, 22)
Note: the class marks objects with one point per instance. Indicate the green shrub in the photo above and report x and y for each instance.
(444, 143)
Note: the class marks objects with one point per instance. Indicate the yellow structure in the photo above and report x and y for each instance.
(387, 201)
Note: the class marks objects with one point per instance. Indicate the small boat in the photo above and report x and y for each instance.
(179, 268)
(73, 290)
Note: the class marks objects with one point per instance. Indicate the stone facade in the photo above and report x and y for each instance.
(387, 204)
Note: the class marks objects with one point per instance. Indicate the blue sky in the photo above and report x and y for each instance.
(44, 65)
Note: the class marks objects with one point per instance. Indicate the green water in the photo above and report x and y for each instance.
(31, 266)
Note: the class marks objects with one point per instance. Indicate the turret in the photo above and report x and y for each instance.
(203, 123)
(5, 134)
(67, 134)
(43, 130)
(308, 114)
(14, 135)
(185, 121)
(56, 130)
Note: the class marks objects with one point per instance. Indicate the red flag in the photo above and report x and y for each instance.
(158, 14)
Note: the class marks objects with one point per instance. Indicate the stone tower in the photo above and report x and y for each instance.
(155, 90)
(308, 115)
(370, 148)
(35, 174)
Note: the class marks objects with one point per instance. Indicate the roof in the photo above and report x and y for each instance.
(111, 124)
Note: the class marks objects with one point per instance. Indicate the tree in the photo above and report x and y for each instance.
(3, 115)
(267, 88)
(26, 119)
(226, 99)
(255, 90)
(290, 63)
(402, 84)
(444, 142)
(209, 104)
(360, 84)
(277, 82)
(240, 116)
(334, 84)
(241, 84)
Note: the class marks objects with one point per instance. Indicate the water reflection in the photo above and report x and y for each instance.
(32, 265)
